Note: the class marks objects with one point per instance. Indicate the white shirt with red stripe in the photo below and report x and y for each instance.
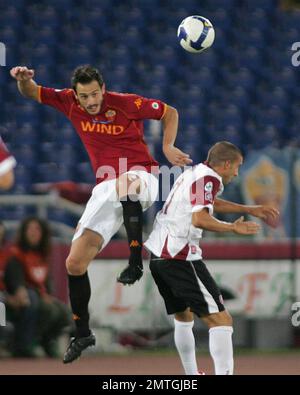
(173, 235)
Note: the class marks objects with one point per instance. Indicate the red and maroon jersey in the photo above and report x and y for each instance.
(7, 161)
(115, 132)
(173, 235)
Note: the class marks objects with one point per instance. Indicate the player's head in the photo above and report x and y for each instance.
(89, 88)
(225, 158)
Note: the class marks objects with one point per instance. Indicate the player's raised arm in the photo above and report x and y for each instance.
(267, 213)
(26, 85)
(202, 219)
(170, 126)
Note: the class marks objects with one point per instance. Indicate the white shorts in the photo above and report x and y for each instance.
(104, 213)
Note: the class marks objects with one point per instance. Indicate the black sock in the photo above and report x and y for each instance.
(133, 222)
(80, 293)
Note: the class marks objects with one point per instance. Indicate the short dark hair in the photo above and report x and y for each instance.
(86, 74)
(223, 151)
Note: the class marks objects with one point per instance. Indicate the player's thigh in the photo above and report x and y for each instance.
(223, 318)
(86, 246)
(148, 192)
(128, 184)
(204, 293)
(103, 214)
(160, 270)
(185, 316)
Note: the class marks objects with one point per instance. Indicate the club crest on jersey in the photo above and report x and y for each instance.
(110, 115)
(208, 187)
(155, 105)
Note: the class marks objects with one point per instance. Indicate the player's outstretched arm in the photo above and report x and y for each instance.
(170, 126)
(267, 213)
(26, 85)
(202, 219)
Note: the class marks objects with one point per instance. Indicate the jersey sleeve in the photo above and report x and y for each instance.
(7, 161)
(61, 99)
(203, 192)
(139, 108)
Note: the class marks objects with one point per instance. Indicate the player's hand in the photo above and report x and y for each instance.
(268, 214)
(21, 73)
(242, 227)
(177, 157)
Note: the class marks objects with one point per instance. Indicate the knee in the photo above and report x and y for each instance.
(227, 319)
(184, 316)
(74, 266)
(218, 319)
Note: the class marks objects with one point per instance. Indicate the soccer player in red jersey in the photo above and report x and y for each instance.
(7, 164)
(110, 126)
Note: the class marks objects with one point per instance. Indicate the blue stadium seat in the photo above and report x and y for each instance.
(276, 96)
(59, 215)
(53, 172)
(243, 77)
(49, 152)
(85, 173)
(10, 15)
(273, 116)
(25, 154)
(23, 175)
(28, 112)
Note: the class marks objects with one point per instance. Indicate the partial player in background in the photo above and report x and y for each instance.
(176, 261)
(110, 126)
(7, 164)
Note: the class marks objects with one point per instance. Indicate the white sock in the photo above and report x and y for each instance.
(220, 347)
(185, 344)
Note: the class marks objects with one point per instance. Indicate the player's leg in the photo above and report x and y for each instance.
(209, 306)
(168, 275)
(100, 221)
(205, 300)
(128, 189)
(83, 250)
(220, 341)
(185, 341)
(137, 190)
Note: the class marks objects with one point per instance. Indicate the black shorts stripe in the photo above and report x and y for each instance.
(184, 284)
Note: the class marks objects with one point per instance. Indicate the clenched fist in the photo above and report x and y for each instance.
(21, 73)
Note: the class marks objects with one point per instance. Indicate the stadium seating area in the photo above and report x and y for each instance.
(244, 89)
